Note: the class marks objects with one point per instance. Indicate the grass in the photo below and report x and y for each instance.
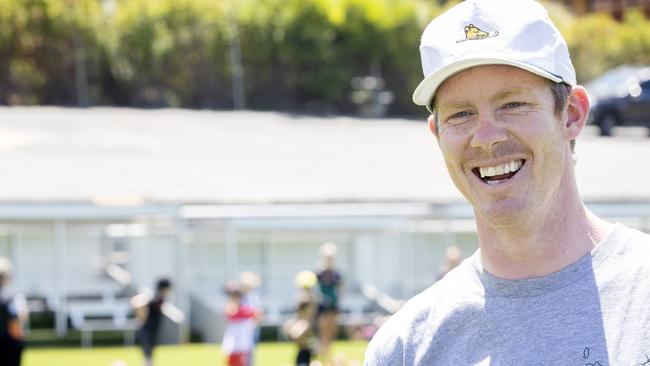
(267, 354)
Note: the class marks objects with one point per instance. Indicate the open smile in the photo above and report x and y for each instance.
(499, 173)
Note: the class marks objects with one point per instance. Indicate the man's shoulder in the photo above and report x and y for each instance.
(640, 236)
(624, 231)
(417, 323)
(632, 244)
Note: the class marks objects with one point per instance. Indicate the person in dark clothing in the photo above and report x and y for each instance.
(329, 284)
(149, 312)
(13, 311)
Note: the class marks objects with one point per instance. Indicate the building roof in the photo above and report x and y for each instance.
(114, 156)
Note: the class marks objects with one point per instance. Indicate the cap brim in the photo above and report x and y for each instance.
(428, 87)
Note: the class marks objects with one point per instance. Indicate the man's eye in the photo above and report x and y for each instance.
(459, 116)
(512, 105)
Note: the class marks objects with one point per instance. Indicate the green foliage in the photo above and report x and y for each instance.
(296, 54)
(37, 48)
(597, 42)
(289, 53)
(167, 52)
(302, 54)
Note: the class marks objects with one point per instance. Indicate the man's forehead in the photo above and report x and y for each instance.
(496, 95)
(494, 82)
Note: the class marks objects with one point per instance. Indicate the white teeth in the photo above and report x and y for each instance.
(506, 168)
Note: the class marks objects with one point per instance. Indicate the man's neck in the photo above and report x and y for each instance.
(541, 247)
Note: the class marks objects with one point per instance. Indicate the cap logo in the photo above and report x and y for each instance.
(473, 33)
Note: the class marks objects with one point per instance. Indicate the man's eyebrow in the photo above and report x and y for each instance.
(508, 93)
(457, 105)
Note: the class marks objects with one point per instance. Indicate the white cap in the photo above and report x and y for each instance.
(328, 249)
(492, 32)
(250, 279)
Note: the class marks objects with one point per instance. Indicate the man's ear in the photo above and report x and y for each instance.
(431, 121)
(577, 112)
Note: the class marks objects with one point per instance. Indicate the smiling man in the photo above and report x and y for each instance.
(552, 284)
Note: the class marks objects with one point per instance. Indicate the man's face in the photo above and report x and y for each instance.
(164, 292)
(503, 144)
(328, 261)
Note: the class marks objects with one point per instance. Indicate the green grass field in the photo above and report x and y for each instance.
(267, 354)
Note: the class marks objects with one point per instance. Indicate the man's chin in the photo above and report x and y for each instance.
(502, 214)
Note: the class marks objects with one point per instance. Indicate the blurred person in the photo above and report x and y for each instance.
(249, 284)
(149, 313)
(300, 328)
(329, 285)
(453, 257)
(13, 314)
(238, 339)
(551, 283)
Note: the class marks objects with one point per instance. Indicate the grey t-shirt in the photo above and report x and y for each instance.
(595, 312)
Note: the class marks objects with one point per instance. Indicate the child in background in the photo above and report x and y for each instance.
(148, 313)
(300, 327)
(238, 340)
(299, 330)
(249, 284)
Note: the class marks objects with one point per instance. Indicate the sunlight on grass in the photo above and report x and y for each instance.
(267, 354)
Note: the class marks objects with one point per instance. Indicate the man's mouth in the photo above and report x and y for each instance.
(498, 173)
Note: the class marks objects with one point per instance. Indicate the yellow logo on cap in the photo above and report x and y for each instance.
(473, 33)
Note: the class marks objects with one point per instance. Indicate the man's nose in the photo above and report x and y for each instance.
(488, 133)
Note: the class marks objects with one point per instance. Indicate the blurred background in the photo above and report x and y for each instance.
(313, 56)
(196, 139)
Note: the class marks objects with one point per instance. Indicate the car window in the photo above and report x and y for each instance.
(610, 81)
(645, 89)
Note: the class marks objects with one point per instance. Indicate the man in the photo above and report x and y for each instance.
(149, 313)
(13, 313)
(551, 284)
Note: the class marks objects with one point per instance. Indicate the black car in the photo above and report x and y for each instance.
(620, 97)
